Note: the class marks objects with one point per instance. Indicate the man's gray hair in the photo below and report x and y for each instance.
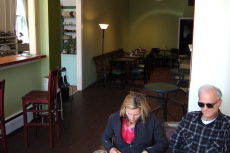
(208, 87)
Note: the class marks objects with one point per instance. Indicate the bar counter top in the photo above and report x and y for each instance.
(17, 59)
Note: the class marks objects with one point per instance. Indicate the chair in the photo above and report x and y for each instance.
(150, 59)
(44, 107)
(183, 82)
(141, 71)
(63, 88)
(156, 104)
(169, 129)
(158, 59)
(101, 69)
(153, 105)
(145, 63)
(2, 116)
(172, 59)
(118, 70)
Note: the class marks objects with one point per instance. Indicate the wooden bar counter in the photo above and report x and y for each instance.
(17, 59)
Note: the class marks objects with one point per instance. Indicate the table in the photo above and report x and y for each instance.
(139, 54)
(142, 51)
(122, 59)
(162, 90)
(130, 60)
(181, 73)
(122, 63)
(133, 56)
(164, 50)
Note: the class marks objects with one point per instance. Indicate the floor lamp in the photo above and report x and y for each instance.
(103, 27)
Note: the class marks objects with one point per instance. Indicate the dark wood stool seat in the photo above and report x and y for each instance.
(2, 116)
(44, 107)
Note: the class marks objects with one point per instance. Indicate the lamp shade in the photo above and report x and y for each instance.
(103, 26)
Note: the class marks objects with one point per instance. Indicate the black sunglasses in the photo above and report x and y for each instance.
(209, 105)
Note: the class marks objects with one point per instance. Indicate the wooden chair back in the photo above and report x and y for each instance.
(45, 108)
(2, 116)
(2, 88)
(53, 85)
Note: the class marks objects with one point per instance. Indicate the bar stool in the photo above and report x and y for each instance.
(44, 107)
(2, 116)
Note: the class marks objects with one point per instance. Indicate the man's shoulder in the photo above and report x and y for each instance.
(193, 114)
(225, 118)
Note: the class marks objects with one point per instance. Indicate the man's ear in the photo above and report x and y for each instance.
(220, 102)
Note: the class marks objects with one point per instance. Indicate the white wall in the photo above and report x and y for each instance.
(68, 2)
(69, 62)
(211, 50)
(75, 71)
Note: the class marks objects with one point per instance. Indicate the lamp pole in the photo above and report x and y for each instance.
(103, 27)
(103, 35)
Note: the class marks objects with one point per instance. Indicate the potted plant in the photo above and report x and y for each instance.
(70, 45)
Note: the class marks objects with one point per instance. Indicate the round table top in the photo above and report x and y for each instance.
(180, 71)
(161, 87)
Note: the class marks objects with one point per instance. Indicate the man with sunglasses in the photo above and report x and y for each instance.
(205, 131)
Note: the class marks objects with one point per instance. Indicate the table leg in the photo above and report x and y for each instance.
(164, 105)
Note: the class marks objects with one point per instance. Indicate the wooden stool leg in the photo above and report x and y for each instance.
(25, 125)
(3, 134)
(57, 121)
(50, 127)
(35, 107)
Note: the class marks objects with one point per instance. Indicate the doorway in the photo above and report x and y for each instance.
(185, 35)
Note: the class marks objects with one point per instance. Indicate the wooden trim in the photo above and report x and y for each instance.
(12, 60)
(68, 7)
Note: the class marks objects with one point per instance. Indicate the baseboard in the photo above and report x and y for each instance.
(15, 121)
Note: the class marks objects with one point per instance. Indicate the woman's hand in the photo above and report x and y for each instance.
(114, 150)
(144, 151)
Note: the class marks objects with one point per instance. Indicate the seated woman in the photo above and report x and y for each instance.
(134, 128)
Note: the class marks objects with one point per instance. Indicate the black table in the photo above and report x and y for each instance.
(181, 73)
(133, 56)
(162, 90)
(125, 59)
(139, 54)
(164, 50)
(124, 65)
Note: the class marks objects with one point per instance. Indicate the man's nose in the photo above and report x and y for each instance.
(205, 107)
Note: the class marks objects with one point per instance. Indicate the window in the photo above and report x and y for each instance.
(21, 26)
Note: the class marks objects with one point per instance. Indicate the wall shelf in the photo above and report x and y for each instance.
(68, 24)
(8, 42)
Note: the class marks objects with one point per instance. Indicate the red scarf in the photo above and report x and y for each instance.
(127, 133)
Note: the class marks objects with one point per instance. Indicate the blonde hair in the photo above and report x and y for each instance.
(135, 100)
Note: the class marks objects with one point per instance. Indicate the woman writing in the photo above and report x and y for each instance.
(134, 129)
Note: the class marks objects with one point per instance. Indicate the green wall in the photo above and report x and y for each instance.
(155, 24)
(133, 23)
(114, 13)
(49, 33)
(21, 79)
(54, 27)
